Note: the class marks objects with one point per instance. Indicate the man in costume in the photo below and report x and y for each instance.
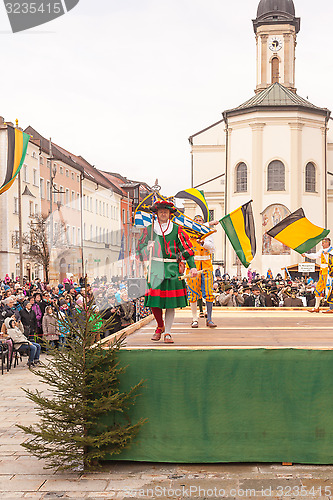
(329, 284)
(202, 285)
(164, 244)
(323, 255)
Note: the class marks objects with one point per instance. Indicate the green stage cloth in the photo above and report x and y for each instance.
(252, 405)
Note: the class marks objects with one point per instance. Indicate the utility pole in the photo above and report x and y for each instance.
(51, 192)
(20, 223)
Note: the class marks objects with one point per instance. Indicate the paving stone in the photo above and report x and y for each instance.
(20, 483)
(78, 485)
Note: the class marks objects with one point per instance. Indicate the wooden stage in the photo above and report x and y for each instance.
(241, 328)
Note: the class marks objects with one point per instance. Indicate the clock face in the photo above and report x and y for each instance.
(275, 44)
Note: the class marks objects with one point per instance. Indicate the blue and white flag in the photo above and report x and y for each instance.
(142, 219)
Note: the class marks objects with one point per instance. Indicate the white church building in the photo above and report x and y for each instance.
(275, 149)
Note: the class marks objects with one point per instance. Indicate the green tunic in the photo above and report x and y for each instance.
(165, 290)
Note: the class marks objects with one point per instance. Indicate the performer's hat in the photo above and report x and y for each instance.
(163, 204)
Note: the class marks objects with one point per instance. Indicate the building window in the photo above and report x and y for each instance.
(25, 173)
(275, 70)
(36, 209)
(48, 190)
(42, 188)
(74, 234)
(61, 189)
(16, 210)
(41, 159)
(211, 215)
(67, 196)
(84, 231)
(84, 202)
(67, 173)
(61, 170)
(77, 201)
(35, 177)
(241, 178)
(91, 204)
(34, 154)
(78, 236)
(73, 199)
(73, 176)
(91, 233)
(31, 208)
(96, 206)
(78, 178)
(276, 176)
(54, 193)
(100, 208)
(310, 178)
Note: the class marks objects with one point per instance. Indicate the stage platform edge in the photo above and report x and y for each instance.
(231, 405)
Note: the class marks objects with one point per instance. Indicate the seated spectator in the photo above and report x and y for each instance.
(255, 299)
(15, 332)
(230, 298)
(292, 300)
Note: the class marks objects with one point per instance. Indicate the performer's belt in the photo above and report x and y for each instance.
(202, 257)
(159, 259)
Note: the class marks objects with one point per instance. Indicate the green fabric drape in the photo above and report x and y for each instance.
(232, 405)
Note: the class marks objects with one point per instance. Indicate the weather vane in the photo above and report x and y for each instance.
(156, 187)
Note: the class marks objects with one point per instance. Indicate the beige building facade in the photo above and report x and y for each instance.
(275, 149)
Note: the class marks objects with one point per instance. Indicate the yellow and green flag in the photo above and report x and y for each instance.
(239, 227)
(17, 150)
(297, 232)
(198, 197)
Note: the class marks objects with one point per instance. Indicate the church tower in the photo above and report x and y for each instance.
(276, 28)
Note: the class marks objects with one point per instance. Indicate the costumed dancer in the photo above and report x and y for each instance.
(202, 285)
(323, 254)
(164, 244)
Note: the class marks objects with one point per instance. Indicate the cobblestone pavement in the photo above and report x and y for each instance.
(23, 476)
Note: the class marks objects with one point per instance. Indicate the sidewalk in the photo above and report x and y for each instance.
(23, 476)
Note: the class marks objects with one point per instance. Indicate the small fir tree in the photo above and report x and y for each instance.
(85, 417)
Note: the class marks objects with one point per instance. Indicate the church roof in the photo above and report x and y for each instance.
(276, 96)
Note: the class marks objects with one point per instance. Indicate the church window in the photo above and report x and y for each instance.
(310, 178)
(276, 176)
(241, 178)
(275, 70)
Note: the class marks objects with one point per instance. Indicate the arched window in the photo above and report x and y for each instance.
(310, 178)
(276, 176)
(241, 178)
(275, 70)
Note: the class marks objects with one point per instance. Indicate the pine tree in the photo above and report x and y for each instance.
(85, 417)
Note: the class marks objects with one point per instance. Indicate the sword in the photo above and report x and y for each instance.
(187, 276)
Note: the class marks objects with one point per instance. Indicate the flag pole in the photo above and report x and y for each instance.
(20, 222)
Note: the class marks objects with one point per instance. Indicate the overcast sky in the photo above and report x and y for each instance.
(124, 83)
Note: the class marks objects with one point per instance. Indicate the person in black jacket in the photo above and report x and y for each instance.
(255, 299)
(29, 321)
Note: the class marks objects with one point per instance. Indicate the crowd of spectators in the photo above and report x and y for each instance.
(263, 291)
(30, 314)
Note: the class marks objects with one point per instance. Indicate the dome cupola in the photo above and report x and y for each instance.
(276, 12)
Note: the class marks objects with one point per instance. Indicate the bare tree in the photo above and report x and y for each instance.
(37, 244)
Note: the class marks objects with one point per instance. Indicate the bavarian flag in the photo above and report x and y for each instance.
(198, 197)
(297, 232)
(239, 227)
(17, 149)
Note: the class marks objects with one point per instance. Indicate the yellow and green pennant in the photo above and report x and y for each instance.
(239, 227)
(17, 150)
(198, 197)
(297, 232)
